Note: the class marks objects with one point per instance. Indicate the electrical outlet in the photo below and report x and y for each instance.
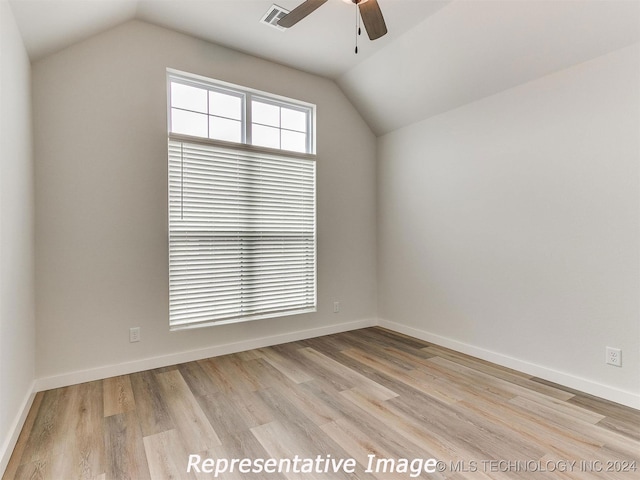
(134, 334)
(614, 356)
(336, 307)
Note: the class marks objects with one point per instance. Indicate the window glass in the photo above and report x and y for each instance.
(225, 129)
(266, 136)
(217, 111)
(223, 105)
(294, 120)
(294, 141)
(188, 97)
(188, 123)
(265, 114)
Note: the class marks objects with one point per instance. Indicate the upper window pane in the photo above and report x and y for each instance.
(265, 114)
(211, 109)
(266, 136)
(188, 98)
(225, 129)
(188, 123)
(223, 105)
(294, 120)
(294, 141)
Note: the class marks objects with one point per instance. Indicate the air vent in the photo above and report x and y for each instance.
(273, 16)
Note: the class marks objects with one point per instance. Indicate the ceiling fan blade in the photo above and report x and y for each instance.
(372, 19)
(298, 13)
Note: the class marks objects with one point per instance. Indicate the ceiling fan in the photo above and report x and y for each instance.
(369, 11)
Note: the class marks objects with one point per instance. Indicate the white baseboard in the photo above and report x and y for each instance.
(81, 376)
(588, 386)
(585, 385)
(623, 397)
(607, 392)
(14, 432)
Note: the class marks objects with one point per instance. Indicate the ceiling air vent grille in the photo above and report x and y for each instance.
(273, 15)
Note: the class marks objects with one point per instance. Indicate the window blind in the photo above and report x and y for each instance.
(242, 235)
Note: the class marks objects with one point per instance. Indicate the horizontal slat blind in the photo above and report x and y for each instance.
(242, 235)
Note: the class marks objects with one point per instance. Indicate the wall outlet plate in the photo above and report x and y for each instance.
(134, 334)
(614, 357)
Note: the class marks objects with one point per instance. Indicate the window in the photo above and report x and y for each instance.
(207, 113)
(277, 126)
(242, 214)
(229, 113)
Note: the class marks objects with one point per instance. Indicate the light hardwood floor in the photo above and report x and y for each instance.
(346, 396)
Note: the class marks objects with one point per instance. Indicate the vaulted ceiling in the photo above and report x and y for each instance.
(323, 43)
(438, 54)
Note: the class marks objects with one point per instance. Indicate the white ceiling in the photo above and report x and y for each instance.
(323, 43)
(438, 54)
(472, 49)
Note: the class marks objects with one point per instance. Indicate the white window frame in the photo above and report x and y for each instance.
(247, 96)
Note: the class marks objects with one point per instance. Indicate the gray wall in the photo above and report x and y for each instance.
(101, 182)
(509, 227)
(17, 318)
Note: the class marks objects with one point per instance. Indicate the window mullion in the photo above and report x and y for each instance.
(248, 127)
(208, 115)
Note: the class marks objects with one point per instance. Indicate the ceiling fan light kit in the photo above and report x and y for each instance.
(369, 12)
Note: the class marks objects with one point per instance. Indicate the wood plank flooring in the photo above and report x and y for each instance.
(345, 396)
